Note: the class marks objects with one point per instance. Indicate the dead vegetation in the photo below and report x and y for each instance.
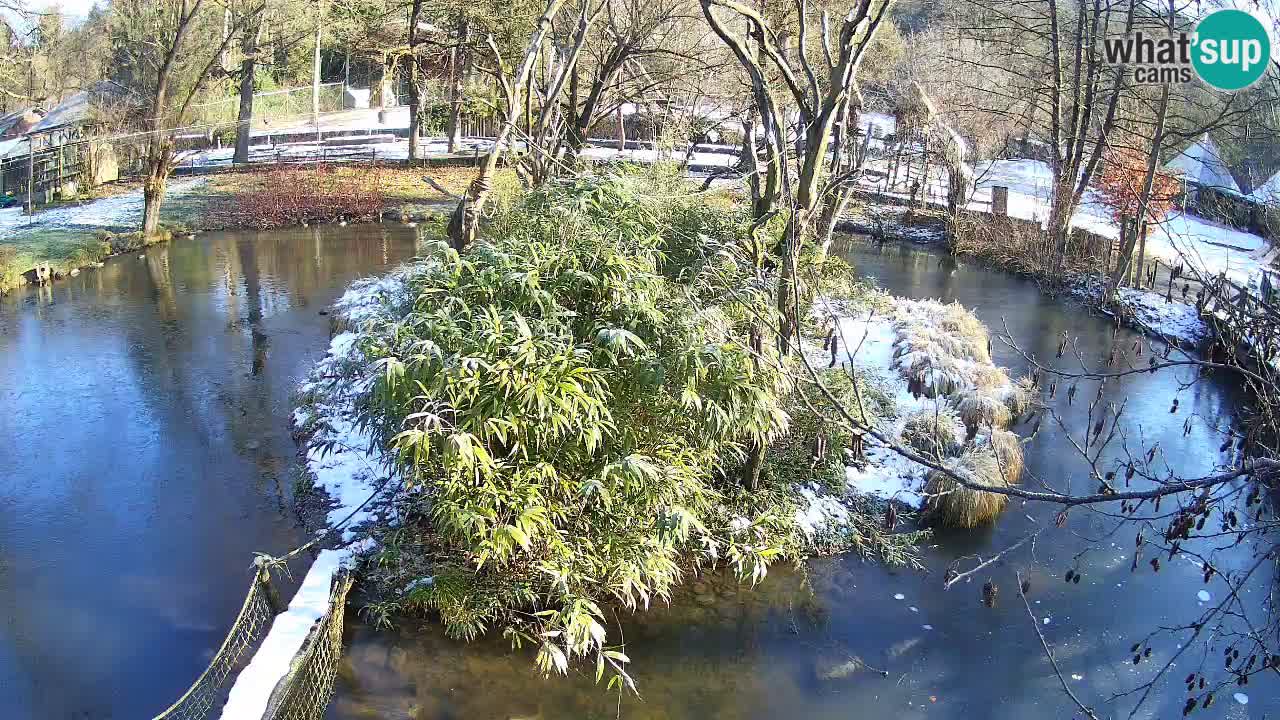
(954, 505)
(936, 434)
(1021, 246)
(944, 352)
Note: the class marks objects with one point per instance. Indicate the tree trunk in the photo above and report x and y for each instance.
(1061, 208)
(248, 67)
(465, 221)
(457, 80)
(754, 465)
(315, 78)
(1144, 198)
(152, 197)
(788, 279)
(417, 99)
(385, 86)
(622, 130)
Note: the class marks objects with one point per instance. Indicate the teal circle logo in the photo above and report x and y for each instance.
(1232, 49)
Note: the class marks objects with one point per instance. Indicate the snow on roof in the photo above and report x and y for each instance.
(1202, 163)
(1268, 192)
(76, 108)
(8, 146)
(12, 120)
(71, 110)
(13, 146)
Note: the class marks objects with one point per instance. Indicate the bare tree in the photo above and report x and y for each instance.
(513, 86)
(162, 66)
(820, 106)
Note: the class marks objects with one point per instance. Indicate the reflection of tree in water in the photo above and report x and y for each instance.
(246, 250)
(158, 271)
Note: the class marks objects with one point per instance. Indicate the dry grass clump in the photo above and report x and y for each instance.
(989, 377)
(1022, 397)
(932, 375)
(1007, 449)
(981, 409)
(934, 434)
(943, 351)
(954, 505)
(918, 338)
(962, 323)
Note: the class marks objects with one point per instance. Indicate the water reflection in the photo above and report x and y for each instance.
(811, 644)
(145, 454)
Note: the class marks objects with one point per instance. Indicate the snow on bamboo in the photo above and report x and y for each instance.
(346, 463)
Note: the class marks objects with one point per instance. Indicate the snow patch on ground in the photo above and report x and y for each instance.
(819, 511)
(119, 212)
(1172, 320)
(867, 342)
(1210, 248)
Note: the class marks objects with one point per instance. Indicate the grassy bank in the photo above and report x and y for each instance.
(66, 237)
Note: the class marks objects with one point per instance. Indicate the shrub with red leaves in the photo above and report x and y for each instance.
(320, 193)
(1120, 185)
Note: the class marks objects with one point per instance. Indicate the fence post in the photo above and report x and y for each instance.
(31, 175)
(269, 591)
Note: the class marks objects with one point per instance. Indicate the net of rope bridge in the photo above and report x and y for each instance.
(306, 689)
(261, 604)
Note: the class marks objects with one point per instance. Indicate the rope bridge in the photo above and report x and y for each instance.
(305, 690)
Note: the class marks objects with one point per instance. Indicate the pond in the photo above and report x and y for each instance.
(841, 637)
(145, 455)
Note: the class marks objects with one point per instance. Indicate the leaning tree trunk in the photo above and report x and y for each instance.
(465, 221)
(1144, 198)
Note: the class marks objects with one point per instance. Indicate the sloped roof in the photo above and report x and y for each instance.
(76, 108)
(13, 147)
(1201, 163)
(1268, 192)
(19, 122)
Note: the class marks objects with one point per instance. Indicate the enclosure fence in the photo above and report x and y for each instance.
(305, 690)
(273, 105)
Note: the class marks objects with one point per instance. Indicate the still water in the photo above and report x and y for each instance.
(145, 454)
(722, 651)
